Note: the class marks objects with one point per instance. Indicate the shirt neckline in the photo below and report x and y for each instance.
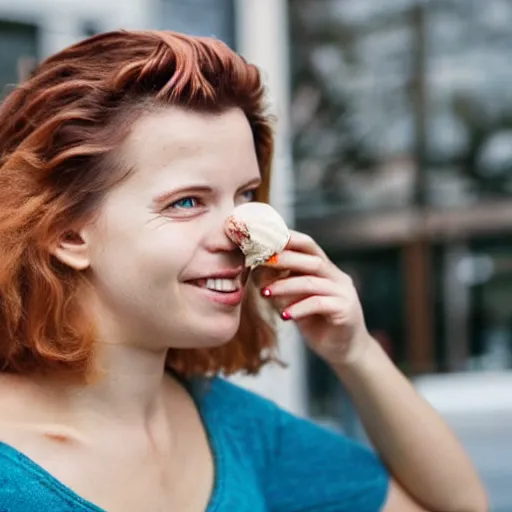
(215, 442)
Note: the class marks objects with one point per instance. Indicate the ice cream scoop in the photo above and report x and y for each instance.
(258, 230)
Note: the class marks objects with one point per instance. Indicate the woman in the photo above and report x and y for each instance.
(122, 156)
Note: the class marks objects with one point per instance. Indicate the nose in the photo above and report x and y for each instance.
(220, 242)
(217, 240)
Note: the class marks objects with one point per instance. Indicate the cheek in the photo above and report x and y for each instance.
(168, 248)
(148, 252)
(156, 260)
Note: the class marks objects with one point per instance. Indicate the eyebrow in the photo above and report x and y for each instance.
(164, 197)
(255, 182)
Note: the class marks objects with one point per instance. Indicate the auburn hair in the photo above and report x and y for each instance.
(58, 134)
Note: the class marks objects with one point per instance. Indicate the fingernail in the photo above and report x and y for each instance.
(266, 292)
(285, 315)
(272, 260)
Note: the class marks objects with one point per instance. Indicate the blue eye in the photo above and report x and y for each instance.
(249, 195)
(185, 203)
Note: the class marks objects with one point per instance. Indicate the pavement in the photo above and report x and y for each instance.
(478, 407)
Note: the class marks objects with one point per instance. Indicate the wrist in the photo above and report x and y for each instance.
(363, 362)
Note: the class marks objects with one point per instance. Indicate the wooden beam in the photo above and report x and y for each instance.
(418, 307)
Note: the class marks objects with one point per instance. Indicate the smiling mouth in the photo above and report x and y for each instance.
(221, 285)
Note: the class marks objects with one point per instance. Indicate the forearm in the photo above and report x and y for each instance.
(412, 439)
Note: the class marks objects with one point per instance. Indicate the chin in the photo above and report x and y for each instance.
(211, 332)
(215, 337)
(223, 330)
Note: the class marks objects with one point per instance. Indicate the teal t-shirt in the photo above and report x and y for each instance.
(266, 460)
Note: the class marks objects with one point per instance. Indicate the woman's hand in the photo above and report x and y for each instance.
(321, 299)
(413, 441)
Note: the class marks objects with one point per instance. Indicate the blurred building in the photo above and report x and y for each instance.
(402, 144)
(397, 117)
(401, 116)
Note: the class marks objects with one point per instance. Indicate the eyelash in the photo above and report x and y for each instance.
(175, 204)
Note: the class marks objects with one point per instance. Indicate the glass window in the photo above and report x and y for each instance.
(18, 52)
(400, 103)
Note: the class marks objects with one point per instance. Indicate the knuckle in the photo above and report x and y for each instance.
(317, 264)
(349, 280)
(338, 320)
(308, 239)
(304, 239)
(310, 284)
(318, 302)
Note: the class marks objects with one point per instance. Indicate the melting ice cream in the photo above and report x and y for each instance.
(258, 230)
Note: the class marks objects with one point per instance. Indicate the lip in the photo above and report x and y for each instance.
(227, 273)
(227, 298)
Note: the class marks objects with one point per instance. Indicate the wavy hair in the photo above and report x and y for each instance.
(58, 134)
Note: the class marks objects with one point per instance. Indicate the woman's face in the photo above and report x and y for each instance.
(163, 271)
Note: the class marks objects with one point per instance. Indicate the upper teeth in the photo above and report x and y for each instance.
(222, 285)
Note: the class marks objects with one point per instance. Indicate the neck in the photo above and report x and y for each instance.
(130, 385)
(128, 390)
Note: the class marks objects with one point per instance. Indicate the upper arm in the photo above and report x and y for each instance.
(399, 501)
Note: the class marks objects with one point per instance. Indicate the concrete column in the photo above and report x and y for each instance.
(456, 296)
(262, 38)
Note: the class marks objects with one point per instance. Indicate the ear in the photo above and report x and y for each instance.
(72, 249)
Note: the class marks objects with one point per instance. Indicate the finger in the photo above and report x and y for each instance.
(332, 307)
(301, 286)
(266, 275)
(301, 263)
(281, 304)
(302, 242)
